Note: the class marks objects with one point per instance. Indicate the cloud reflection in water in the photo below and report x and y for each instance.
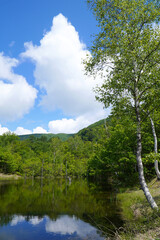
(69, 225)
(63, 227)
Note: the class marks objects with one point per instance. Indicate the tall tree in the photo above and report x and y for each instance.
(128, 44)
(155, 146)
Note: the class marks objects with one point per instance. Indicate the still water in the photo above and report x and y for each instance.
(56, 210)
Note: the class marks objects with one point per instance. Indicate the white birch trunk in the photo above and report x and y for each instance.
(139, 158)
(155, 147)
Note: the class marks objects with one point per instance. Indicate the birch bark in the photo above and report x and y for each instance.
(139, 158)
(155, 148)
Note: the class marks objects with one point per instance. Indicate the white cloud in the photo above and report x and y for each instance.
(69, 225)
(65, 125)
(39, 130)
(59, 71)
(17, 96)
(3, 130)
(22, 131)
(74, 125)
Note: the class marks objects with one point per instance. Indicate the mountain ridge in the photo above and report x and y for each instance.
(62, 136)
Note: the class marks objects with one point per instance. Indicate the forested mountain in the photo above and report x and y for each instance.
(104, 149)
(84, 133)
(62, 136)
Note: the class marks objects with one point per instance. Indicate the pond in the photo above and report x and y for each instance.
(57, 210)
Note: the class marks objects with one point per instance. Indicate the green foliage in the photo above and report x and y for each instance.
(62, 136)
(148, 161)
(115, 154)
(92, 132)
(109, 153)
(45, 157)
(127, 52)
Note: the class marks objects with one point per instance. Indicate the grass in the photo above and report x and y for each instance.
(9, 176)
(141, 222)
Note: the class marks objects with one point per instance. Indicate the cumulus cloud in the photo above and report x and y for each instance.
(66, 125)
(22, 131)
(3, 130)
(39, 130)
(60, 72)
(17, 96)
(74, 125)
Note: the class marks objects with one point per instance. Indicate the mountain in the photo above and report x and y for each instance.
(62, 136)
(91, 133)
(87, 134)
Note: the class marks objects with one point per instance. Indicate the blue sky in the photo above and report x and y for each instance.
(42, 82)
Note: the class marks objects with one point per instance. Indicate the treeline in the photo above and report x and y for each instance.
(42, 157)
(104, 149)
(117, 154)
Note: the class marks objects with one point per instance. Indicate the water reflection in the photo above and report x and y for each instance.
(71, 225)
(19, 219)
(64, 211)
(65, 227)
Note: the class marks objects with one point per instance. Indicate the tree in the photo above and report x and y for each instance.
(114, 157)
(128, 46)
(155, 146)
(152, 110)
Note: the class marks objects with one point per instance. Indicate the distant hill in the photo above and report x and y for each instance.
(91, 132)
(87, 134)
(100, 122)
(62, 136)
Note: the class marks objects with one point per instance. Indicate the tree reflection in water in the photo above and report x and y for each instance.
(64, 211)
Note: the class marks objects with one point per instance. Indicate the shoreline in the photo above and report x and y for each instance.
(141, 222)
(9, 176)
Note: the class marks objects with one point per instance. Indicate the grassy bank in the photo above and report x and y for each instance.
(141, 222)
(9, 176)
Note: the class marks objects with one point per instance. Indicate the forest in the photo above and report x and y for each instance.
(103, 151)
(125, 54)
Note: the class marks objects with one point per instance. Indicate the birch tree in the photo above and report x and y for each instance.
(128, 44)
(155, 147)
